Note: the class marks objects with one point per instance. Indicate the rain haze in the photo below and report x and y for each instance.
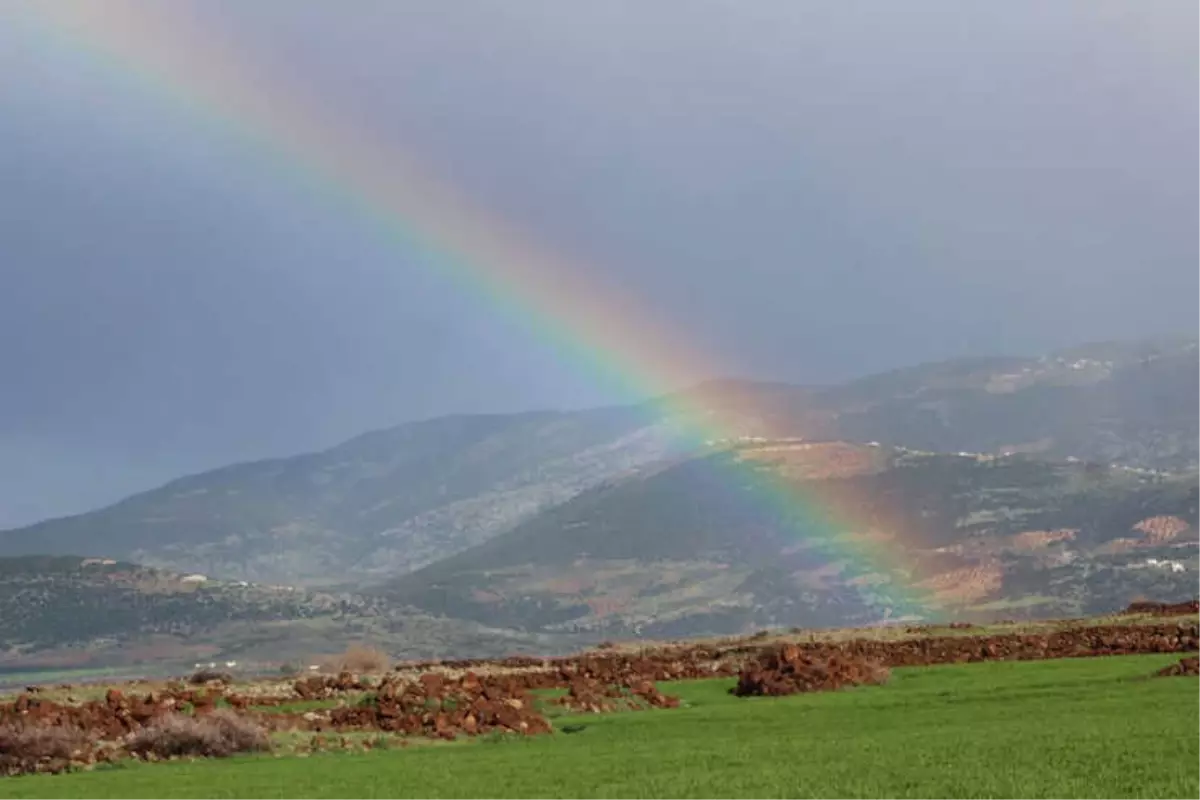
(811, 191)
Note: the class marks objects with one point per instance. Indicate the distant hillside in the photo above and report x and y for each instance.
(693, 550)
(685, 550)
(392, 501)
(48, 600)
(380, 504)
(1128, 403)
(70, 612)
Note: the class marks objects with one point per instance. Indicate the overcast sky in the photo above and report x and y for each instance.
(811, 190)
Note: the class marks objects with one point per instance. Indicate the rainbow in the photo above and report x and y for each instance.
(605, 333)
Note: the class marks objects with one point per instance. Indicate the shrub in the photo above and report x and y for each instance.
(361, 658)
(37, 747)
(217, 735)
(203, 676)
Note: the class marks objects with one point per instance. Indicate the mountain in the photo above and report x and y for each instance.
(382, 503)
(695, 549)
(391, 501)
(1132, 403)
(685, 550)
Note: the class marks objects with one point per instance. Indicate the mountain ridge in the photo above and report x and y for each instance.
(394, 481)
(393, 500)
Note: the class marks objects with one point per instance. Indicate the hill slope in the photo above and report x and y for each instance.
(71, 612)
(689, 549)
(379, 504)
(392, 501)
(694, 550)
(1131, 403)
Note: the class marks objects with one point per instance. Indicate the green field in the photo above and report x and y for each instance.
(47, 676)
(1073, 728)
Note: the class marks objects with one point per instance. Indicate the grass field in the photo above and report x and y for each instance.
(15, 679)
(1094, 727)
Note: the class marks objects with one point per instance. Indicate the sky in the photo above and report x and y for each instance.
(808, 191)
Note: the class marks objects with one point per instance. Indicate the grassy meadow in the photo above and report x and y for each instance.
(1097, 727)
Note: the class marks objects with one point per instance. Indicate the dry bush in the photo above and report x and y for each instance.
(876, 674)
(359, 658)
(30, 748)
(217, 735)
(203, 676)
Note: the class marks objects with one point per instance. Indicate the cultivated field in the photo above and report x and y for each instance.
(1074, 710)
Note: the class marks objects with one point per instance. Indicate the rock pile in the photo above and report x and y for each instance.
(320, 687)
(1109, 640)
(1164, 609)
(790, 670)
(444, 708)
(587, 694)
(114, 716)
(1185, 666)
(39, 735)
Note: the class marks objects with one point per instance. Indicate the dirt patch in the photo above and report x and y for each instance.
(789, 670)
(1119, 545)
(1036, 540)
(816, 460)
(1161, 529)
(965, 585)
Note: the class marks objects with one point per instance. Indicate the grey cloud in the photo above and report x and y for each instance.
(812, 190)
